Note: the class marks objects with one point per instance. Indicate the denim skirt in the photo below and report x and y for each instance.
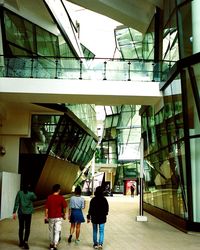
(76, 216)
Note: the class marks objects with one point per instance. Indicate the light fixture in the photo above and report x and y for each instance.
(2, 151)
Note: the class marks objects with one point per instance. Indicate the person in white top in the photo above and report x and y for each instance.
(75, 216)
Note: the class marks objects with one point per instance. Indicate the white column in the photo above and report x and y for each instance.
(195, 26)
(93, 172)
(141, 217)
(194, 143)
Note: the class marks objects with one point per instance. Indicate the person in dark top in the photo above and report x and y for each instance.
(24, 205)
(97, 213)
(132, 189)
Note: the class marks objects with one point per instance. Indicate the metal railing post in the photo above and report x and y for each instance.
(129, 71)
(81, 68)
(104, 73)
(31, 68)
(56, 71)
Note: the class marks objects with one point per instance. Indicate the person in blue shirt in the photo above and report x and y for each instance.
(24, 206)
(75, 216)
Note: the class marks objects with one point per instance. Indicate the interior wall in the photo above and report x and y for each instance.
(9, 161)
(15, 123)
(56, 171)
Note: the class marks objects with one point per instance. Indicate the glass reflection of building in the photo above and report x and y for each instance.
(171, 132)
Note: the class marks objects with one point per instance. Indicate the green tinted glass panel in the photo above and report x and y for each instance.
(47, 43)
(165, 180)
(188, 42)
(19, 31)
(170, 40)
(192, 113)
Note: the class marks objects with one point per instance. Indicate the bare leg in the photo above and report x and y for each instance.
(72, 227)
(78, 227)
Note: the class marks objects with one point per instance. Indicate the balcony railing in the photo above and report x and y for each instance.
(72, 68)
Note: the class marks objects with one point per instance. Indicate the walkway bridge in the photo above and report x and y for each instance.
(68, 80)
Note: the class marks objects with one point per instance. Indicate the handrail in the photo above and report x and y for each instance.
(116, 69)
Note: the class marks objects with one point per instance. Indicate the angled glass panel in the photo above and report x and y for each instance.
(188, 28)
(148, 42)
(108, 110)
(47, 43)
(19, 31)
(59, 11)
(87, 53)
(194, 148)
(164, 178)
(129, 42)
(193, 116)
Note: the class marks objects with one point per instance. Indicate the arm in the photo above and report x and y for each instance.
(64, 210)
(46, 220)
(46, 213)
(88, 218)
(33, 197)
(69, 213)
(89, 212)
(16, 206)
(107, 206)
(69, 210)
(64, 213)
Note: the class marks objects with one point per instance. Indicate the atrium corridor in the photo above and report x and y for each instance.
(122, 231)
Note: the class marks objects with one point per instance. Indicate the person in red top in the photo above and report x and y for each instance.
(55, 211)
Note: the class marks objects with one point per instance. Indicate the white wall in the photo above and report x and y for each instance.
(10, 184)
(9, 162)
(15, 123)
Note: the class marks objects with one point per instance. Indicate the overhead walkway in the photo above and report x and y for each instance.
(69, 80)
(122, 231)
(79, 91)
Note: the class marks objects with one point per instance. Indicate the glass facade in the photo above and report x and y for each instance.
(86, 113)
(119, 146)
(121, 136)
(165, 167)
(59, 136)
(24, 38)
(171, 132)
(31, 51)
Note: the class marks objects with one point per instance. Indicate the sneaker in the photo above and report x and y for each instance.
(95, 246)
(26, 246)
(77, 241)
(21, 244)
(70, 238)
(51, 247)
(100, 246)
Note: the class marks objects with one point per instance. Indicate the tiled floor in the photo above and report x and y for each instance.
(122, 231)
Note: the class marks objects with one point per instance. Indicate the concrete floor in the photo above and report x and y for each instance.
(122, 231)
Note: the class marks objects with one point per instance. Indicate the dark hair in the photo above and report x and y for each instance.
(98, 191)
(26, 187)
(78, 190)
(56, 187)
